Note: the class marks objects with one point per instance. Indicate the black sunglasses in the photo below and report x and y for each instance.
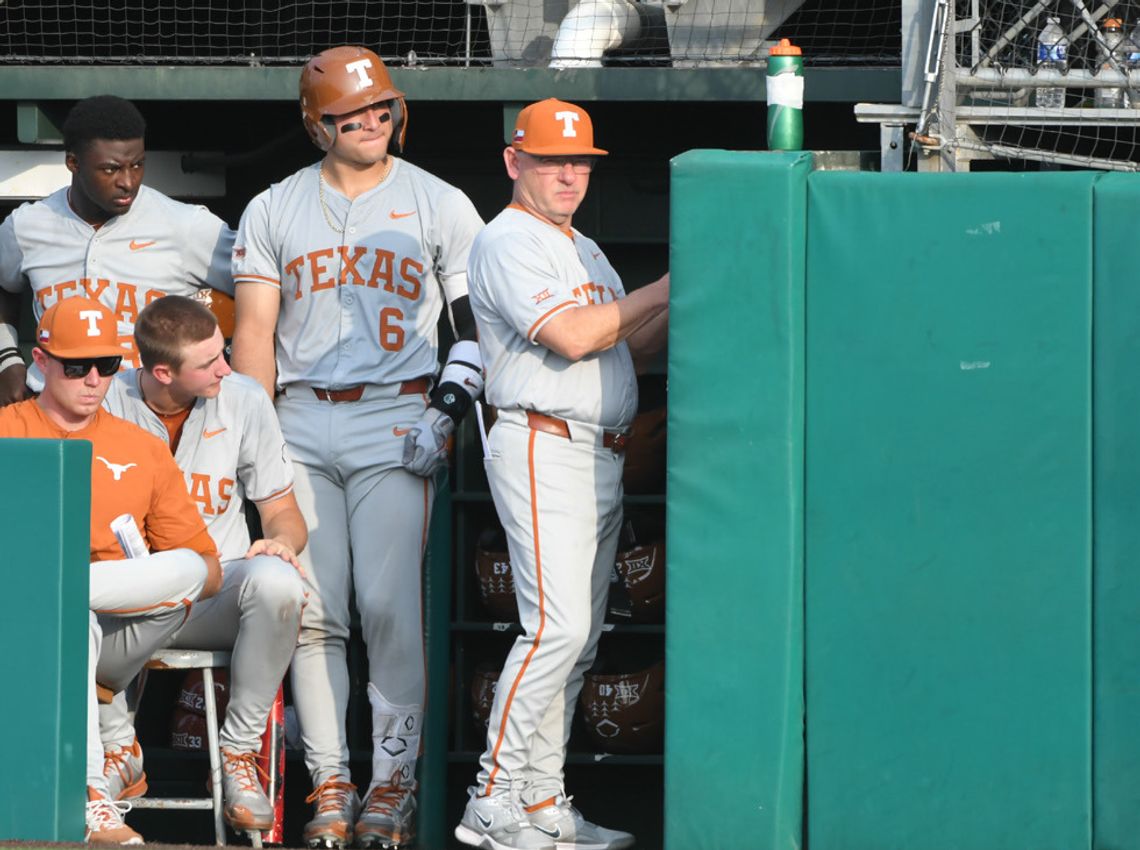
(80, 367)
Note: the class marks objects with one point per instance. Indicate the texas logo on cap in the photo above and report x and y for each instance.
(79, 327)
(555, 128)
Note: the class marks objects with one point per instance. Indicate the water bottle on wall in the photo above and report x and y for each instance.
(1111, 97)
(1052, 55)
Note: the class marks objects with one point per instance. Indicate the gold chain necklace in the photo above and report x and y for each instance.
(321, 194)
(324, 206)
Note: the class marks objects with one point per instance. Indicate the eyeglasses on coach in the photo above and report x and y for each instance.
(555, 164)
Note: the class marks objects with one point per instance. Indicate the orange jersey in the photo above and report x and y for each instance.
(131, 472)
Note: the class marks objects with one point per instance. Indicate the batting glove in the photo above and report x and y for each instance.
(425, 445)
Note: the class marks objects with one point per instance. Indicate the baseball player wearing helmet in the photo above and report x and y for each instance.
(224, 436)
(341, 272)
(105, 236)
(136, 602)
(558, 333)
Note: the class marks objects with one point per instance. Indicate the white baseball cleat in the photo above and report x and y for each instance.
(105, 824)
(499, 823)
(123, 771)
(564, 825)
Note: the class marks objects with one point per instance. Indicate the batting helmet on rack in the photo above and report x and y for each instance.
(625, 712)
(192, 695)
(188, 720)
(644, 470)
(496, 582)
(344, 79)
(222, 306)
(637, 585)
(483, 683)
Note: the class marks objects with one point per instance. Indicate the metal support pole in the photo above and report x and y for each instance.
(891, 143)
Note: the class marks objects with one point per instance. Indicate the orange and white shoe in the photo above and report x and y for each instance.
(123, 771)
(336, 805)
(387, 818)
(105, 826)
(246, 806)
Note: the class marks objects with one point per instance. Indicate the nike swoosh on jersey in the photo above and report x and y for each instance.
(399, 432)
(209, 434)
(395, 215)
(138, 246)
(555, 833)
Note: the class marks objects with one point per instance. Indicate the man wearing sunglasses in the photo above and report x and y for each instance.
(224, 435)
(342, 271)
(105, 236)
(136, 602)
(559, 335)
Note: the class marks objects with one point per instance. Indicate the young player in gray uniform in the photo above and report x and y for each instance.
(105, 236)
(342, 271)
(224, 435)
(558, 334)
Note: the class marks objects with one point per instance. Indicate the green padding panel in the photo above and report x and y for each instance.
(1116, 479)
(947, 514)
(734, 694)
(47, 549)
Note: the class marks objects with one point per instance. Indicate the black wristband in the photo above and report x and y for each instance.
(452, 399)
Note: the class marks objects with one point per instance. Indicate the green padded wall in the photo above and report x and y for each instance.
(734, 690)
(948, 532)
(44, 631)
(1116, 542)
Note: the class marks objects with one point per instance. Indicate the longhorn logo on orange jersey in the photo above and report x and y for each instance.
(117, 469)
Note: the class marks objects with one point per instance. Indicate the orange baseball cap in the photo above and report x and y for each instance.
(79, 327)
(554, 128)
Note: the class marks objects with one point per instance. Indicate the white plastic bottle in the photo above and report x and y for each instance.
(1111, 97)
(1052, 55)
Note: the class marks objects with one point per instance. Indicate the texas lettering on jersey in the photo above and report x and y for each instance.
(359, 266)
(211, 496)
(591, 293)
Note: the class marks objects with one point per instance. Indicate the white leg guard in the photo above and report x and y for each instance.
(395, 740)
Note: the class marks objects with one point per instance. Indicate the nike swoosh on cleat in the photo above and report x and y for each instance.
(555, 833)
(485, 821)
(138, 246)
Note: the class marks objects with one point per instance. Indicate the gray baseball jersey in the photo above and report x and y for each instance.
(231, 450)
(559, 500)
(522, 273)
(158, 247)
(358, 307)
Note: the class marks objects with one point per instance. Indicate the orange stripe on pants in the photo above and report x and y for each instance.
(541, 615)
